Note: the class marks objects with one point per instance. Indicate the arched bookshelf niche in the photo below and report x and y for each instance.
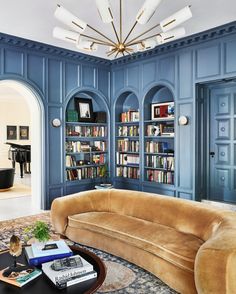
(86, 141)
(159, 141)
(127, 142)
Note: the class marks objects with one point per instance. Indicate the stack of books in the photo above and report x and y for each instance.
(69, 271)
(36, 254)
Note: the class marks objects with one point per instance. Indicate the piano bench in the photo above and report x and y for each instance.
(6, 178)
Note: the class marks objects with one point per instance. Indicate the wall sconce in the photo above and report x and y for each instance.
(56, 122)
(183, 120)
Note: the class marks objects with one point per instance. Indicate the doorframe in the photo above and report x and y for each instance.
(203, 92)
(37, 112)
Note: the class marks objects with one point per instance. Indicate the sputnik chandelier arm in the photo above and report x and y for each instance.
(167, 28)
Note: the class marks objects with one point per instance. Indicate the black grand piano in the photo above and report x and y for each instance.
(22, 155)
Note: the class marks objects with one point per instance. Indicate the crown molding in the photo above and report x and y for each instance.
(212, 34)
(38, 47)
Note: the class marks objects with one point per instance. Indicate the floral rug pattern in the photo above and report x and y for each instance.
(144, 282)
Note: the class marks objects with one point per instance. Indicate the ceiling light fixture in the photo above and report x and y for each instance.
(122, 45)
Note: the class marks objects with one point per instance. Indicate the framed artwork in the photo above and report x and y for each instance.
(84, 108)
(24, 132)
(11, 133)
(162, 110)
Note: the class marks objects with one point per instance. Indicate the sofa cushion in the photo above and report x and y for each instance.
(177, 247)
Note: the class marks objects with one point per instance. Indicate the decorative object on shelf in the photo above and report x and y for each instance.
(15, 250)
(103, 173)
(183, 120)
(24, 132)
(100, 117)
(56, 122)
(123, 44)
(11, 133)
(162, 110)
(84, 108)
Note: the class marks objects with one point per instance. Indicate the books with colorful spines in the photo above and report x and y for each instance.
(67, 270)
(19, 279)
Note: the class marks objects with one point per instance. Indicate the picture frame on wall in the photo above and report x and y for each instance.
(11, 133)
(162, 110)
(84, 108)
(24, 132)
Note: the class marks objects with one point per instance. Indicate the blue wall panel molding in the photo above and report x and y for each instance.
(185, 75)
(148, 73)
(132, 75)
(166, 69)
(229, 57)
(41, 48)
(196, 39)
(13, 62)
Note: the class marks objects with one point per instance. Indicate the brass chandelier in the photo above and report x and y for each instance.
(121, 45)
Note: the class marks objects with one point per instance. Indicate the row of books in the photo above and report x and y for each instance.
(155, 161)
(86, 131)
(128, 172)
(161, 129)
(81, 146)
(129, 116)
(127, 145)
(130, 131)
(160, 176)
(156, 147)
(83, 173)
(127, 159)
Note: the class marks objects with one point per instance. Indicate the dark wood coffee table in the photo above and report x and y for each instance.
(42, 285)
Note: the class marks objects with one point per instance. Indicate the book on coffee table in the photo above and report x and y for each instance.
(69, 271)
(19, 279)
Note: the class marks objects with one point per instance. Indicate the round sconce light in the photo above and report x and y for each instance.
(183, 120)
(56, 122)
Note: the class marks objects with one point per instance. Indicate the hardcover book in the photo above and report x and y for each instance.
(63, 270)
(34, 261)
(19, 279)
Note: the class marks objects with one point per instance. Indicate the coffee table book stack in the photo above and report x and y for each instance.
(69, 271)
(38, 253)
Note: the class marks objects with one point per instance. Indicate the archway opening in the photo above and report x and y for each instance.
(36, 111)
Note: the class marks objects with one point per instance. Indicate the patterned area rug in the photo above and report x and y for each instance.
(122, 277)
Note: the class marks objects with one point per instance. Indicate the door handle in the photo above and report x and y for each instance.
(212, 154)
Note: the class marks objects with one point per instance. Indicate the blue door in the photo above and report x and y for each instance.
(222, 147)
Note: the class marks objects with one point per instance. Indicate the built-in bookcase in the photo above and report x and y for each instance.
(127, 141)
(159, 133)
(86, 144)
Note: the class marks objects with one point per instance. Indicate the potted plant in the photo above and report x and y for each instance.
(40, 231)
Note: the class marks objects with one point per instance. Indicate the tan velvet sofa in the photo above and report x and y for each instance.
(188, 245)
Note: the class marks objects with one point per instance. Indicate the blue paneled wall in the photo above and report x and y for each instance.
(57, 74)
(179, 65)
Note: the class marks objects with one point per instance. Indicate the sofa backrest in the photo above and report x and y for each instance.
(186, 216)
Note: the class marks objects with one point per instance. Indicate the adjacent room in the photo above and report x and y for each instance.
(118, 146)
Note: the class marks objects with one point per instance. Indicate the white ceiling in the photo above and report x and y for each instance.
(34, 20)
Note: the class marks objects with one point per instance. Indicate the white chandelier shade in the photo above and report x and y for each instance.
(170, 35)
(66, 35)
(176, 19)
(86, 45)
(147, 44)
(69, 19)
(147, 10)
(122, 45)
(104, 9)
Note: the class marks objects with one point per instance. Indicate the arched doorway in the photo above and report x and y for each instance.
(36, 108)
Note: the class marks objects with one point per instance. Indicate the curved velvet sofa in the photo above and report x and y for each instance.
(188, 245)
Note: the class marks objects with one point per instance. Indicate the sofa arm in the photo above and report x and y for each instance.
(215, 264)
(64, 206)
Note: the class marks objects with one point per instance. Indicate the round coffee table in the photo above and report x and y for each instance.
(43, 285)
